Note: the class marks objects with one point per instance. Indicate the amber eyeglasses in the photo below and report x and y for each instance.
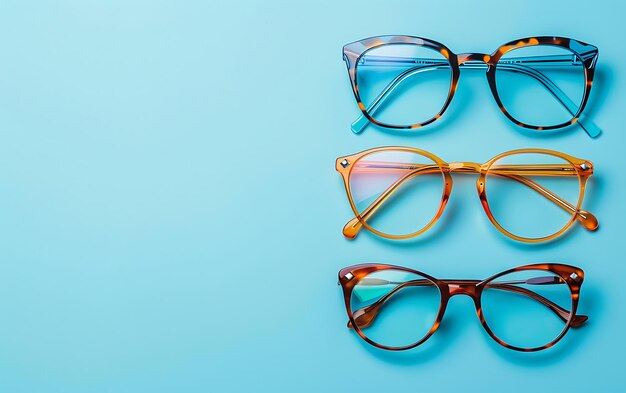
(406, 82)
(528, 308)
(530, 195)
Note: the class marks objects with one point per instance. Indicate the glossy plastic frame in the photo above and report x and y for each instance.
(583, 170)
(584, 53)
(572, 276)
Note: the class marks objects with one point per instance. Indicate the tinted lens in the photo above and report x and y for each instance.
(396, 192)
(541, 85)
(402, 84)
(523, 192)
(395, 308)
(513, 310)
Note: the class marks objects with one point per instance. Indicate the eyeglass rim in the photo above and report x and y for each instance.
(353, 51)
(572, 275)
(584, 170)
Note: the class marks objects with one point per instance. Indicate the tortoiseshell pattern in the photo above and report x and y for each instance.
(587, 54)
(572, 276)
(583, 169)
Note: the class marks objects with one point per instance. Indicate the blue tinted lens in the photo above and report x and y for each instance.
(400, 307)
(526, 204)
(403, 84)
(514, 312)
(541, 85)
(396, 192)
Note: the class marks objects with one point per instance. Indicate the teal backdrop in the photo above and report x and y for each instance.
(170, 216)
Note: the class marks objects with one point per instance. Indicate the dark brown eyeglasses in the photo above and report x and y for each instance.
(528, 308)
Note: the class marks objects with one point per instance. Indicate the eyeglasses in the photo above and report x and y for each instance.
(530, 195)
(528, 308)
(405, 82)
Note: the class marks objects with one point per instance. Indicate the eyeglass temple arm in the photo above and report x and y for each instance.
(589, 221)
(364, 317)
(515, 65)
(514, 172)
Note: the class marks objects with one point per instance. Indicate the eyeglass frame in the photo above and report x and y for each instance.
(583, 168)
(585, 53)
(571, 275)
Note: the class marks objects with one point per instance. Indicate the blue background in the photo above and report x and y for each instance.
(170, 216)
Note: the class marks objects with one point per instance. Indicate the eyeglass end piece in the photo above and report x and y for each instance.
(359, 124)
(363, 317)
(352, 228)
(579, 320)
(589, 221)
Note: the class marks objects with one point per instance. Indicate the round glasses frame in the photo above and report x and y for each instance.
(583, 170)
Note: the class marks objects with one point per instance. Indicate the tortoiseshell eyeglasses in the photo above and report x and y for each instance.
(528, 308)
(530, 195)
(405, 82)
